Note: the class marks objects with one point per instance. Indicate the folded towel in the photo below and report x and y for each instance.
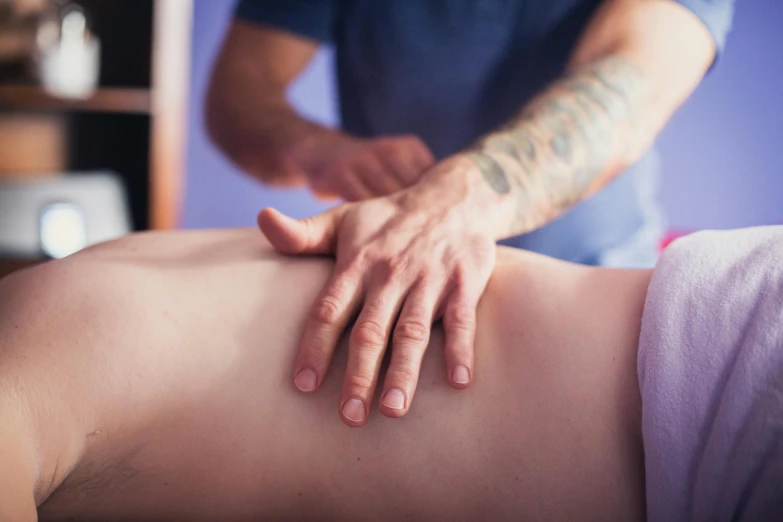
(711, 378)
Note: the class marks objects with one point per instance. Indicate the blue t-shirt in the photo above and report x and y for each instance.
(451, 71)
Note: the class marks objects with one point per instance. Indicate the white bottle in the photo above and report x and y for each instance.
(69, 63)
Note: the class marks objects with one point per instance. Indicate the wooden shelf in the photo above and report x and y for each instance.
(108, 99)
(136, 129)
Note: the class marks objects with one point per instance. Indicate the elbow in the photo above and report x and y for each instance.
(213, 118)
(210, 116)
(217, 122)
(239, 145)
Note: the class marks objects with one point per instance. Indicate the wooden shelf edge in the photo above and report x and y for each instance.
(170, 81)
(107, 99)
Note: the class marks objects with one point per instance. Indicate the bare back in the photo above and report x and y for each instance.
(161, 369)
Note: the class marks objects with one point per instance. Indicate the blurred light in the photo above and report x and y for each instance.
(63, 230)
(69, 59)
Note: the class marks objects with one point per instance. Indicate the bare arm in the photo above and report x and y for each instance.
(247, 113)
(637, 61)
(250, 119)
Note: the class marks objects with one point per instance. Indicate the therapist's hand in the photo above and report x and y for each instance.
(413, 255)
(340, 166)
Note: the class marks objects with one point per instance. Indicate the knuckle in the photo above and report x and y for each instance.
(361, 260)
(367, 164)
(402, 373)
(412, 330)
(425, 277)
(431, 276)
(326, 310)
(360, 381)
(393, 268)
(369, 333)
(364, 154)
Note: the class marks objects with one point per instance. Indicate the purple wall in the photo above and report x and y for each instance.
(722, 152)
(216, 193)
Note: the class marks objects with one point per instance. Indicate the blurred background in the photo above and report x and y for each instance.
(102, 132)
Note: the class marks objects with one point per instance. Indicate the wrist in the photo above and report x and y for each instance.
(458, 183)
(284, 153)
(312, 147)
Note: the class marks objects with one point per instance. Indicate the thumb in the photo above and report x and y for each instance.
(314, 235)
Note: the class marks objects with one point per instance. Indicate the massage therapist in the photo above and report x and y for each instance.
(463, 123)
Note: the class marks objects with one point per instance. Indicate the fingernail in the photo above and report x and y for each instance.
(353, 409)
(306, 379)
(460, 375)
(394, 399)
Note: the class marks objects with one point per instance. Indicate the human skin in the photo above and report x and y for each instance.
(633, 66)
(146, 379)
(250, 119)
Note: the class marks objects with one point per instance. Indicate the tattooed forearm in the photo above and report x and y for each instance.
(568, 142)
(493, 173)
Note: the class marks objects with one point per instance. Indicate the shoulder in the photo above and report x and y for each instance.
(110, 275)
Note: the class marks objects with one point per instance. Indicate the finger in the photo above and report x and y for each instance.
(459, 325)
(322, 190)
(314, 235)
(404, 172)
(412, 160)
(326, 195)
(423, 158)
(325, 324)
(366, 346)
(353, 188)
(409, 342)
(377, 177)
